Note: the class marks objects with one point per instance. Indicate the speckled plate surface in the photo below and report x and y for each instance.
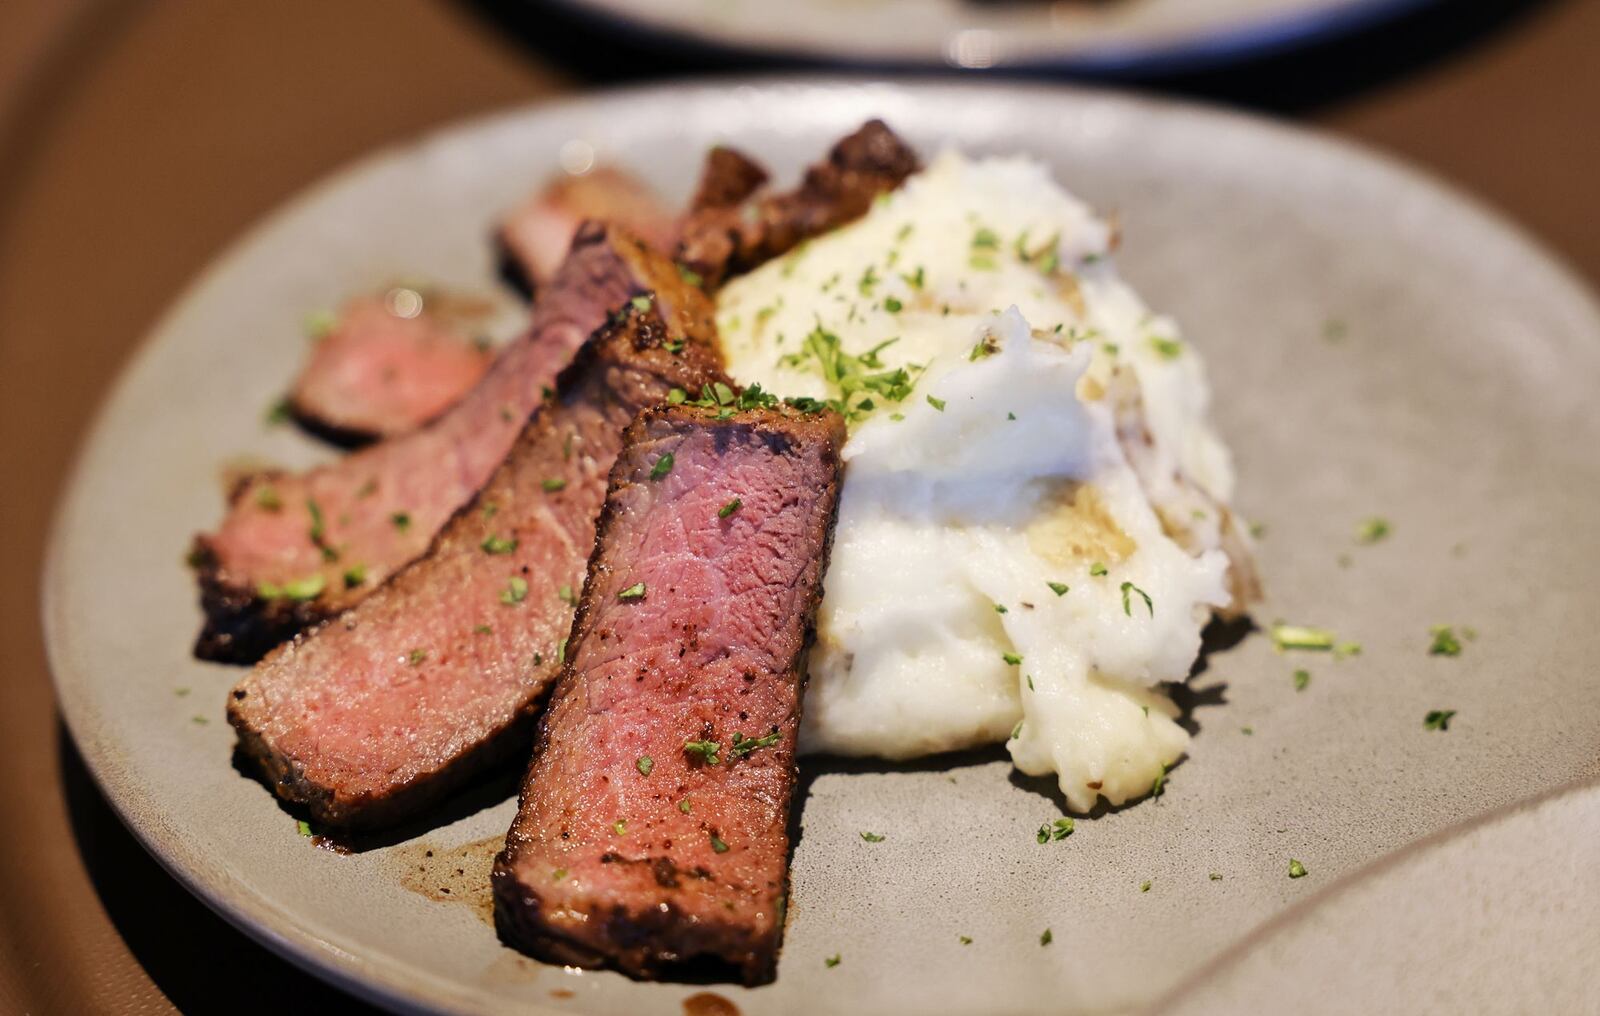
(1089, 37)
(1378, 346)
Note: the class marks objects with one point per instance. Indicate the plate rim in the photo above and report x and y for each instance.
(391, 983)
(1233, 43)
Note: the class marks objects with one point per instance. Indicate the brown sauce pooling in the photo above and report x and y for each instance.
(708, 1003)
(458, 874)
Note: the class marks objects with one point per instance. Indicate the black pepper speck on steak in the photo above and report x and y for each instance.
(652, 826)
(437, 674)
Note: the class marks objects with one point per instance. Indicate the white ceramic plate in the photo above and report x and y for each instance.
(1082, 36)
(1454, 397)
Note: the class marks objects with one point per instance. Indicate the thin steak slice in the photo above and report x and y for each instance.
(652, 826)
(728, 235)
(296, 548)
(436, 675)
(534, 237)
(390, 363)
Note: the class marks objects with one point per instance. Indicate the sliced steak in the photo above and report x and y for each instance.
(726, 235)
(297, 548)
(534, 237)
(435, 676)
(390, 363)
(652, 826)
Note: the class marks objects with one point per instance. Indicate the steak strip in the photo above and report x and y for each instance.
(297, 548)
(436, 675)
(652, 828)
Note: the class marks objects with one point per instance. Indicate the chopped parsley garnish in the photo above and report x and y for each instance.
(999, 608)
(1144, 886)
(722, 848)
(1158, 786)
(416, 656)
(683, 806)
(1215, 876)
(1247, 731)
(642, 302)
(300, 590)
(368, 489)
(1296, 869)
(633, 592)
(490, 509)
(985, 239)
(1046, 938)
(690, 276)
(483, 629)
(303, 827)
(401, 520)
(1290, 636)
(917, 279)
(199, 720)
(964, 939)
(561, 651)
(558, 874)
(267, 498)
(1302, 680)
(673, 346)
(319, 323)
(620, 827)
(853, 377)
(904, 232)
(729, 508)
(832, 961)
(1015, 731)
(319, 530)
(1372, 530)
(1169, 349)
(1438, 719)
(355, 575)
(707, 750)
(277, 413)
(1097, 569)
(567, 596)
(552, 484)
(872, 837)
(1129, 587)
(676, 396)
(498, 545)
(936, 403)
(662, 467)
(1445, 642)
(1059, 588)
(892, 305)
(743, 746)
(986, 346)
(869, 279)
(1011, 658)
(516, 590)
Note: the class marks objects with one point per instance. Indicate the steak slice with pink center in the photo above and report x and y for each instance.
(435, 676)
(652, 830)
(297, 548)
(390, 363)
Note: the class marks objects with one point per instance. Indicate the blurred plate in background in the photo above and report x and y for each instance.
(1112, 37)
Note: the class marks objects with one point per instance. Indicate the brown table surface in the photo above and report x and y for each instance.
(137, 138)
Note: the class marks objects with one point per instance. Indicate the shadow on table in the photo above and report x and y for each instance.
(198, 960)
(1297, 80)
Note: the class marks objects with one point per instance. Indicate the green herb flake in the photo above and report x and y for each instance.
(199, 720)
(1291, 636)
(483, 629)
(1302, 680)
(277, 413)
(401, 521)
(1061, 828)
(552, 484)
(1247, 731)
(642, 303)
(1059, 588)
(1296, 869)
(516, 590)
(416, 656)
(964, 939)
(985, 239)
(558, 874)
(1372, 530)
(561, 651)
(319, 323)
(892, 305)
(267, 498)
(936, 403)
(1043, 835)
(498, 544)
(620, 827)
(1015, 731)
(1215, 876)
(999, 608)
(633, 592)
(303, 827)
(1012, 658)
(355, 575)
(743, 746)
(567, 596)
(1158, 786)
(729, 508)
(1438, 719)
(662, 467)
(832, 961)
(690, 276)
(872, 837)
(644, 763)
(1167, 349)
(707, 750)
(1445, 642)
(683, 806)
(677, 397)
(1144, 886)
(1129, 587)
(722, 848)
(1097, 569)
(299, 590)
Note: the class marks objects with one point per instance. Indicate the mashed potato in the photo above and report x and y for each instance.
(1032, 527)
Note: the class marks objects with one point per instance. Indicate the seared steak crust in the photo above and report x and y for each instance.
(297, 548)
(723, 236)
(435, 676)
(630, 847)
